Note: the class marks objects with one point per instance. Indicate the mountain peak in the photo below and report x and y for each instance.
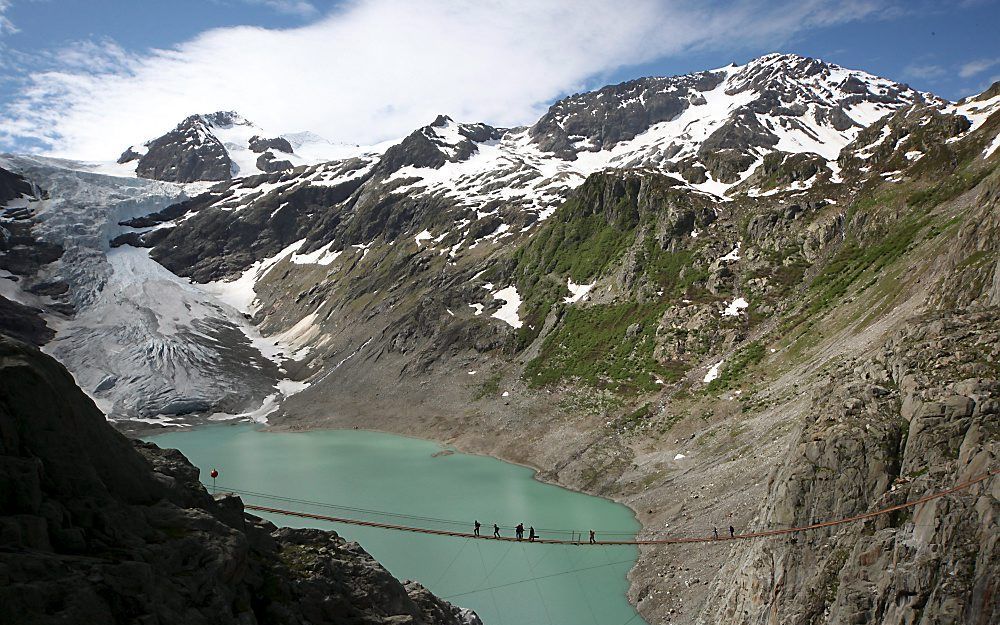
(221, 119)
(714, 126)
(224, 145)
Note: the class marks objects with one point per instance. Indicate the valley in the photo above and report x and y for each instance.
(763, 296)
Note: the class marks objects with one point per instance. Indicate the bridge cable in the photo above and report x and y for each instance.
(636, 541)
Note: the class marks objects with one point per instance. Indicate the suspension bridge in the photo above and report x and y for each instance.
(458, 529)
(549, 536)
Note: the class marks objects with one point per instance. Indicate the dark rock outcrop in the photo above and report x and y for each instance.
(21, 251)
(261, 145)
(97, 529)
(13, 186)
(429, 147)
(128, 156)
(188, 153)
(268, 163)
(23, 322)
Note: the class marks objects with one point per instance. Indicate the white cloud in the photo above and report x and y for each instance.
(974, 68)
(6, 26)
(376, 69)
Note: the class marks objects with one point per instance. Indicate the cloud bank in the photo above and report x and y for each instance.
(377, 69)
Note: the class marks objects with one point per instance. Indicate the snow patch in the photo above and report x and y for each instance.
(319, 256)
(508, 312)
(713, 372)
(733, 309)
(269, 406)
(577, 291)
(239, 293)
(732, 256)
(290, 387)
(423, 236)
(991, 148)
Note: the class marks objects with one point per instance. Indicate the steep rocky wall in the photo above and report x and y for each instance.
(916, 418)
(96, 530)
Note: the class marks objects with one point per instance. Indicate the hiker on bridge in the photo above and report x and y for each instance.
(519, 530)
(496, 531)
(715, 531)
(593, 541)
(732, 532)
(531, 533)
(476, 531)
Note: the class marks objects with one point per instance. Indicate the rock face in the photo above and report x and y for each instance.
(260, 145)
(916, 418)
(440, 142)
(13, 187)
(95, 528)
(188, 153)
(24, 323)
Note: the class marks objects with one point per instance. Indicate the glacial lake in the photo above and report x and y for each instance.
(506, 583)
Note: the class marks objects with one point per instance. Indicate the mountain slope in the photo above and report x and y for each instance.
(752, 296)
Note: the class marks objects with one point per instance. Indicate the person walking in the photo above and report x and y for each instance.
(531, 533)
(593, 541)
(732, 532)
(519, 530)
(476, 531)
(715, 531)
(496, 531)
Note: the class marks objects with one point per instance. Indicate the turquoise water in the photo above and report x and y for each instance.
(504, 582)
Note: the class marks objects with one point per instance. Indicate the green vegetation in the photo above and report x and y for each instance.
(576, 241)
(580, 246)
(855, 258)
(948, 189)
(610, 215)
(673, 272)
(594, 345)
(636, 417)
(736, 368)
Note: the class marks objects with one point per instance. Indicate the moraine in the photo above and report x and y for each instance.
(376, 471)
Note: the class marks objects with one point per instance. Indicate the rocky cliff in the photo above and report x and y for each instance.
(97, 528)
(917, 416)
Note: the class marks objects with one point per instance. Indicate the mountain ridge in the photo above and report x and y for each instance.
(692, 349)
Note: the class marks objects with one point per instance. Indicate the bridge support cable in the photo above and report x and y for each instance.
(677, 540)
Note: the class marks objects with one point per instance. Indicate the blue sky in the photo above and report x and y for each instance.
(79, 76)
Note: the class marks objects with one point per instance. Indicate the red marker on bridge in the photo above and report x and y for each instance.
(214, 475)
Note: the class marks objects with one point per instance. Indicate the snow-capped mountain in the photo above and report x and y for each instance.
(469, 184)
(712, 129)
(291, 219)
(224, 145)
